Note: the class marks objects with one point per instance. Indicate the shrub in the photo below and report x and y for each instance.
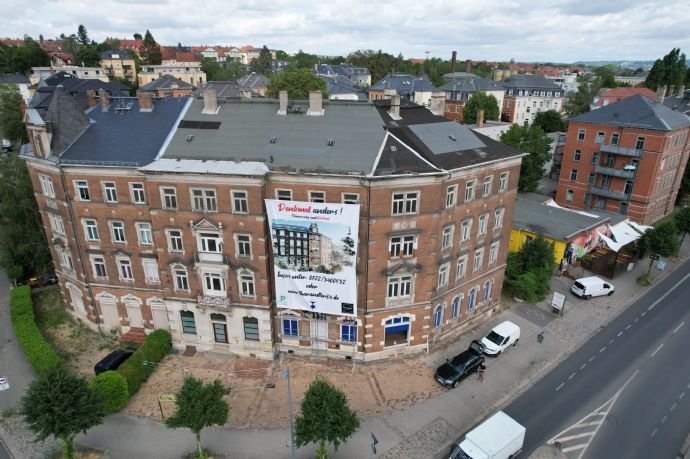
(38, 352)
(113, 387)
(141, 364)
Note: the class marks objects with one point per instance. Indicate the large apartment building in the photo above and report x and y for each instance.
(627, 157)
(527, 95)
(156, 214)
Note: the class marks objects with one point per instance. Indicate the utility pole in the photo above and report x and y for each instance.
(283, 375)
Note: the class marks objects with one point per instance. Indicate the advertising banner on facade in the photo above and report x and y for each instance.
(314, 255)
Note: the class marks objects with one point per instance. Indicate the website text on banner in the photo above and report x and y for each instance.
(314, 255)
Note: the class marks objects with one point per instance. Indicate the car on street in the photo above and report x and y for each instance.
(587, 287)
(461, 366)
(113, 360)
(500, 338)
(6, 145)
(42, 281)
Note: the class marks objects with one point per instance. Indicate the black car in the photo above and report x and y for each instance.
(113, 360)
(461, 366)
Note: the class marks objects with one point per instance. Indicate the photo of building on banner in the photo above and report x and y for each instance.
(314, 255)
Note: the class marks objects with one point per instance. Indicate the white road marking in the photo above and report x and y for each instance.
(657, 349)
(668, 292)
(587, 424)
(636, 319)
(573, 437)
(682, 394)
(592, 358)
(559, 387)
(654, 432)
(571, 376)
(678, 327)
(628, 327)
(611, 340)
(673, 407)
(583, 366)
(602, 349)
(652, 306)
(664, 419)
(576, 447)
(643, 314)
(619, 333)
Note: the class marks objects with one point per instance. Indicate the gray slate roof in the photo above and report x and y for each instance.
(223, 89)
(252, 80)
(339, 84)
(403, 83)
(166, 82)
(66, 120)
(14, 78)
(526, 81)
(679, 103)
(131, 138)
(471, 85)
(636, 111)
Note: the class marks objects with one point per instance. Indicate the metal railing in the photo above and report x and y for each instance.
(211, 257)
(607, 193)
(614, 172)
(618, 150)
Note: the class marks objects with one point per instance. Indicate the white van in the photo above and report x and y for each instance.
(502, 336)
(587, 287)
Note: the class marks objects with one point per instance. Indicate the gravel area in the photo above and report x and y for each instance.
(21, 442)
(425, 442)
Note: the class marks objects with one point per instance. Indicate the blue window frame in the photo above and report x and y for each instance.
(438, 316)
(487, 290)
(471, 299)
(397, 324)
(290, 327)
(348, 333)
(455, 307)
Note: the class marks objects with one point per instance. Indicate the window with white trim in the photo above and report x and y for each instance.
(66, 258)
(469, 190)
(56, 224)
(399, 286)
(125, 269)
(483, 219)
(455, 307)
(447, 241)
(493, 252)
(438, 316)
(487, 290)
(348, 332)
(478, 256)
(137, 190)
(82, 190)
(290, 327)
(210, 242)
(350, 198)
(91, 230)
(443, 275)
(240, 202)
(317, 196)
(118, 229)
(498, 218)
(151, 274)
(214, 284)
(169, 197)
(569, 195)
(600, 138)
(243, 245)
(402, 246)
(98, 266)
(488, 181)
(503, 182)
(284, 195)
(465, 230)
(405, 203)
(47, 185)
(203, 200)
(145, 234)
(461, 267)
(451, 194)
(175, 241)
(109, 192)
(247, 285)
(181, 282)
(581, 135)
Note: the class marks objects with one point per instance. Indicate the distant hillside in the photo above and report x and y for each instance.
(624, 64)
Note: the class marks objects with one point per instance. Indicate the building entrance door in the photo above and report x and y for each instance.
(320, 334)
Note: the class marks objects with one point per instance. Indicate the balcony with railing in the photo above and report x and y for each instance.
(214, 258)
(618, 150)
(607, 193)
(623, 173)
(212, 300)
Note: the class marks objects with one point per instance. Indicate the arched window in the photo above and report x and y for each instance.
(251, 328)
(471, 299)
(455, 307)
(188, 322)
(487, 290)
(438, 316)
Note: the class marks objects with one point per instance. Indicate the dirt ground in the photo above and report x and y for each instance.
(257, 395)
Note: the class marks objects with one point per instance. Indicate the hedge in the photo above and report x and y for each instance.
(113, 387)
(141, 364)
(38, 352)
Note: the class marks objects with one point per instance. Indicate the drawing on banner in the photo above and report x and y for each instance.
(314, 255)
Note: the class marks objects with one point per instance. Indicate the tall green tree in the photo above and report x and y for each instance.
(670, 71)
(379, 63)
(61, 404)
(325, 416)
(661, 240)
(150, 50)
(23, 247)
(199, 405)
(137, 36)
(264, 63)
(82, 35)
(88, 56)
(579, 102)
(480, 101)
(550, 121)
(533, 141)
(682, 221)
(19, 59)
(529, 271)
(297, 83)
(11, 124)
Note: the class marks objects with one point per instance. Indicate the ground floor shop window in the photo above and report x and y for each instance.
(290, 327)
(251, 328)
(348, 333)
(397, 331)
(188, 322)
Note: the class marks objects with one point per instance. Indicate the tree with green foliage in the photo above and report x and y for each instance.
(325, 416)
(82, 35)
(670, 71)
(199, 405)
(112, 386)
(23, 246)
(88, 56)
(282, 55)
(550, 121)
(661, 240)
(297, 83)
(150, 50)
(11, 123)
(379, 63)
(61, 404)
(480, 101)
(264, 63)
(19, 59)
(529, 271)
(217, 72)
(606, 74)
(137, 36)
(579, 102)
(682, 221)
(533, 141)
(684, 189)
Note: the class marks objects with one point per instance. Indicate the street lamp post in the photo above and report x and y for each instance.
(286, 374)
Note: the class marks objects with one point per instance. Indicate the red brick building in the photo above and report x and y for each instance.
(626, 157)
(154, 209)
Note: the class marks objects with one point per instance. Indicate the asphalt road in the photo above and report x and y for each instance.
(615, 396)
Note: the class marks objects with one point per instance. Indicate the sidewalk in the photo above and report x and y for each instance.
(422, 429)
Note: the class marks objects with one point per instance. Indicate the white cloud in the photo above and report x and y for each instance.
(537, 30)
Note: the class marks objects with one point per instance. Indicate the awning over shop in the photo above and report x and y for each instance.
(623, 234)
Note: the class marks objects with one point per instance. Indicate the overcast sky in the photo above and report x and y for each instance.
(536, 30)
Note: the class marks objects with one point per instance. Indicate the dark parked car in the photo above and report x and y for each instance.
(41, 281)
(461, 366)
(113, 360)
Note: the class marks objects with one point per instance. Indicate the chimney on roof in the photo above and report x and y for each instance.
(660, 94)
(453, 61)
(246, 94)
(210, 102)
(283, 99)
(438, 103)
(388, 93)
(480, 118)
(468, 66)
(105, 100)
(315, 104)
(145, 101)
(91, 99)
(395, 107)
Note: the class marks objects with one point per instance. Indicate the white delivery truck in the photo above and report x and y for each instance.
(499, 437)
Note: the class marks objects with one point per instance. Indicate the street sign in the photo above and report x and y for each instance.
(558, 301)
(167, 397)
